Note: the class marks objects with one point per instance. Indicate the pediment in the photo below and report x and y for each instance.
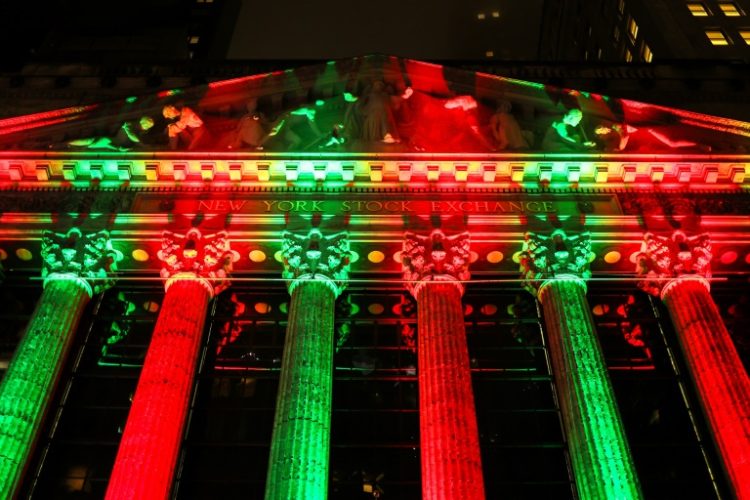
(377, 104)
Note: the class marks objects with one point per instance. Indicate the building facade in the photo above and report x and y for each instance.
(374, 278)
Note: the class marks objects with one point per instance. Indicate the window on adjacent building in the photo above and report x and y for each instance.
(745, 34)
(730, 9)
(648, 56)
(621, 6)
(616, 34)
(697, 9)
(633, 28)
(717, 37)
(628, 56)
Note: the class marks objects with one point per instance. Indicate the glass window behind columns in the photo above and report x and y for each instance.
(521, 438)
(225, 452)
(375, 426)
(667, 435)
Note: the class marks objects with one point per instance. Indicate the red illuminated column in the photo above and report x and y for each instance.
(316, 268)
(678, 268)
(195, 268)
(554, 269)
(75, 266)
(434, 267)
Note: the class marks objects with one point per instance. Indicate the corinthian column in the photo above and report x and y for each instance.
(195, 268)
(554, 270)
(678, 269)
(316, 269)
(75, 267)
(434, 268)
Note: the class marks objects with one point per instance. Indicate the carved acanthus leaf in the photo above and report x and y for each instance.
(89, 256)
(204, 256)
(546, 257)
(663, 258)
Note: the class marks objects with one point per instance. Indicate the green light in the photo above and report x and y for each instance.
(76, 266)
(298, 463)
(602, 464)
(131, 99)
(316, 267)
(28, 386)
(554, 269)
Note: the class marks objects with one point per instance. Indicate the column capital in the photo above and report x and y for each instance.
(314, 256)
(560, 255)
(663, 260)
(435, 257)
(87, 258)
(195, 256)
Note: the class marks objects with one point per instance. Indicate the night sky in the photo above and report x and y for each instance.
(421, 29)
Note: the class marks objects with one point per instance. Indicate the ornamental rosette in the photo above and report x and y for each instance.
(664, 258)
(87, 256)
(435, 257)
(558, 255)
(196, 255)
(316, 256)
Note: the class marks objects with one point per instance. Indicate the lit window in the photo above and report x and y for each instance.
(697, 9)
(194, 40)
(599, 54)
(489, 53)
(628, 56)
(633, 28)
(745, 34)
(717, 37)
(621, 6)
(648, 56)
(481, 16)
(495, 14)
(730, 9)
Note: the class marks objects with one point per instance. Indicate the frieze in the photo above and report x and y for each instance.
(68, 201)
(684, 204)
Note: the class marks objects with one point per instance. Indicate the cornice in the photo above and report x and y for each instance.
(525, 171)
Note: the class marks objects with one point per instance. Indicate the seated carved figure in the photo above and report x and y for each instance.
(506, 130)
(566, 135)
(251, 130)
(185, 128)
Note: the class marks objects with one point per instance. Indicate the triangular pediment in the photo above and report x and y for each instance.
(377, 104)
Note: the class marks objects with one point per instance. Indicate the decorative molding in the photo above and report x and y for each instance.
(313, 256)
(141, 169)
(435, 257)
(207, 258)
(663, 259)
(557, 256)
(87, 258)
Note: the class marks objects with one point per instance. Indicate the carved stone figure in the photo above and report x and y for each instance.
(506, 130)
(186, 127)
(129, 135)
(565, 134)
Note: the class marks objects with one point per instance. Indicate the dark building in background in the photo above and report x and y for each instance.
(99, 72)
(643, 31)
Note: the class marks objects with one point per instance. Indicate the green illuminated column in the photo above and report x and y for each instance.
(76, 266)
(554, 270)
(316, 268)
(678, 268)
(435, 267)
